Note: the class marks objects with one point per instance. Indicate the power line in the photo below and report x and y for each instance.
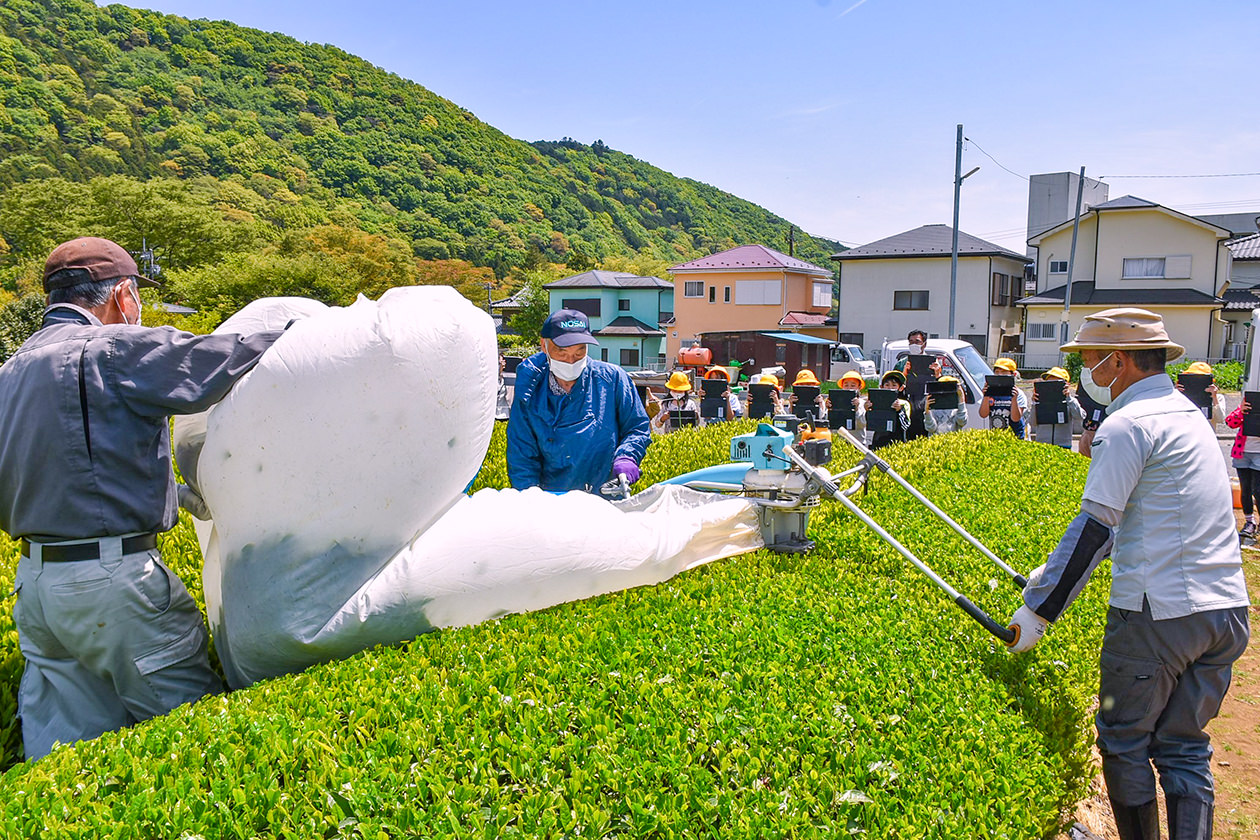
(1221, 175)
(995, 160)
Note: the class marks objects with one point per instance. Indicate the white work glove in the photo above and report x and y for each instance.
(192, 502)
(1034, 577)
(1029, 628)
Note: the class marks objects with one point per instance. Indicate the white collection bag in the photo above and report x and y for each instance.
(335, 472)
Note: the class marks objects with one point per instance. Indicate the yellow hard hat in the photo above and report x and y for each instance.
(1056, 373)
(853, 376)
(1199, 367)
(769, 379)
(717, 371)
(678, 381)
(1006, 364)
(948, 379)
(805, 377)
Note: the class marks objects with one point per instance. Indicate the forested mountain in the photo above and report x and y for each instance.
(257, 140)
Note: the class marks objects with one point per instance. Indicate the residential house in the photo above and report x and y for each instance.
(1243, 295)
(1131, 252)
(901, 283)
(626, 313)
(736, 297)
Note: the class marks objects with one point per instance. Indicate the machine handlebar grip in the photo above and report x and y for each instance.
(1007, 635)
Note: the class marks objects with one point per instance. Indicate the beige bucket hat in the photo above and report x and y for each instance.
(1125, 328)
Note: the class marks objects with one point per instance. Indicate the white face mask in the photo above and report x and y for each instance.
(678, 395)
(567, 371)
(139, 305)
(1098, 393)
(916, 349)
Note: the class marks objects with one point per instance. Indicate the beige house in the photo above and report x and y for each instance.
(1131, 252)
(751, 287)
(901, 283)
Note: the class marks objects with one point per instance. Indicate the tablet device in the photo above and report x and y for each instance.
(882, 417)
(1195, 387)
(1000, 385)
(944, 395)
(842, 416)
(714, 387)
(681, 417)
(921, 367)
(760, 401)
(712, 408)
(1091, 410)
(1051, 402)
(1251, 420)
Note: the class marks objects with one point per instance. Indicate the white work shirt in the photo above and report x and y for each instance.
(1158, 462)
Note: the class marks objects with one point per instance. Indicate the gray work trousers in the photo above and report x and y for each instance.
(1161, 682)
(107, 643)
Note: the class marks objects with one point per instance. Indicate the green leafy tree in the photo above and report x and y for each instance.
(18, 320)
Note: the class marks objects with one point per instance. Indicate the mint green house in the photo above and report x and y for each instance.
(627, 313)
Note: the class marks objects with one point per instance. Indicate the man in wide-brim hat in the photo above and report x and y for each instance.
(1158, 500)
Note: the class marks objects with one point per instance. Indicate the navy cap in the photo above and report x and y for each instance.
(566, 327)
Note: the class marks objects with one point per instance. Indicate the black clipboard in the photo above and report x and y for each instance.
(1251, 420)
(1194, 386)
(1000, 385)
(1051, 402)
(714, 387)
(944, 395)
(806, 400)
(882, 417)
(842, 416)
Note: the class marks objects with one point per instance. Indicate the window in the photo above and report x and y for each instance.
(980, 342)
(1042, 331)
(623, 305)
(758, 292)
(726, 298)
(780, 353)
(1058, 266)
(587, 306)
(629, 358)
(1143, 267)
(713, 294)
(603, 354)
(822, 295)
(1001, 289)
(910, 300)
(693, 288)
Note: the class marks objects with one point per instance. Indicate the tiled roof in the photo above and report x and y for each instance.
(514, 301)
(597, 279)
(1243, 224)
(625, 325)
(1085, 294)
(1247, 248)
(1242, 299)
(1123, 202)
(750, 258)
(796, 318)
(927, 241)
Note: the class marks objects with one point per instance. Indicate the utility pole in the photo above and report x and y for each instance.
(953, 260)
(791, 240)
(1067, 291)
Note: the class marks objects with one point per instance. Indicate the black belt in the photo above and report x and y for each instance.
(88, 550)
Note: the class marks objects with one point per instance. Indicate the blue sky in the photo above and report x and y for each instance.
(840, 115)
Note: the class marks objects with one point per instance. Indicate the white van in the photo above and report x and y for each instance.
(847, 357)
(958, 358)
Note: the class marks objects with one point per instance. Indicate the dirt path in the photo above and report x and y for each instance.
(1235, 736)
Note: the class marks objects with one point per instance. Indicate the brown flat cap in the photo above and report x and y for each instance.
(1125, 328)
(89, 258)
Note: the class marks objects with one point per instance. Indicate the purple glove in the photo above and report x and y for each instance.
(627, 467)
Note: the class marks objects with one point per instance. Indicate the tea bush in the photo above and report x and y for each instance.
(762, 696)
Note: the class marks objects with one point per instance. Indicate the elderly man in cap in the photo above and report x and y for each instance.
(109, 634)
(576, 422)
(1157, 499)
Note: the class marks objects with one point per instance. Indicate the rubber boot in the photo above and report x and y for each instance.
(1188, 819)
(1137, 822)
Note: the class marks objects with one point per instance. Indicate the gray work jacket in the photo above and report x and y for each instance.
(84, 443)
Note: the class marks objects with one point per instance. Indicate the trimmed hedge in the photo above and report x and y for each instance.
(767, 695)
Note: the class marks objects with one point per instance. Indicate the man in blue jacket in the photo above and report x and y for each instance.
(576, 422)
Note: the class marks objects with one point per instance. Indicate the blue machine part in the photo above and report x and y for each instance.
(763, 447)
(720, 473)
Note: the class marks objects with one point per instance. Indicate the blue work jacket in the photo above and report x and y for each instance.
(568, 441)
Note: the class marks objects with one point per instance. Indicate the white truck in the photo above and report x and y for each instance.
(847, 357)
(958, 358)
